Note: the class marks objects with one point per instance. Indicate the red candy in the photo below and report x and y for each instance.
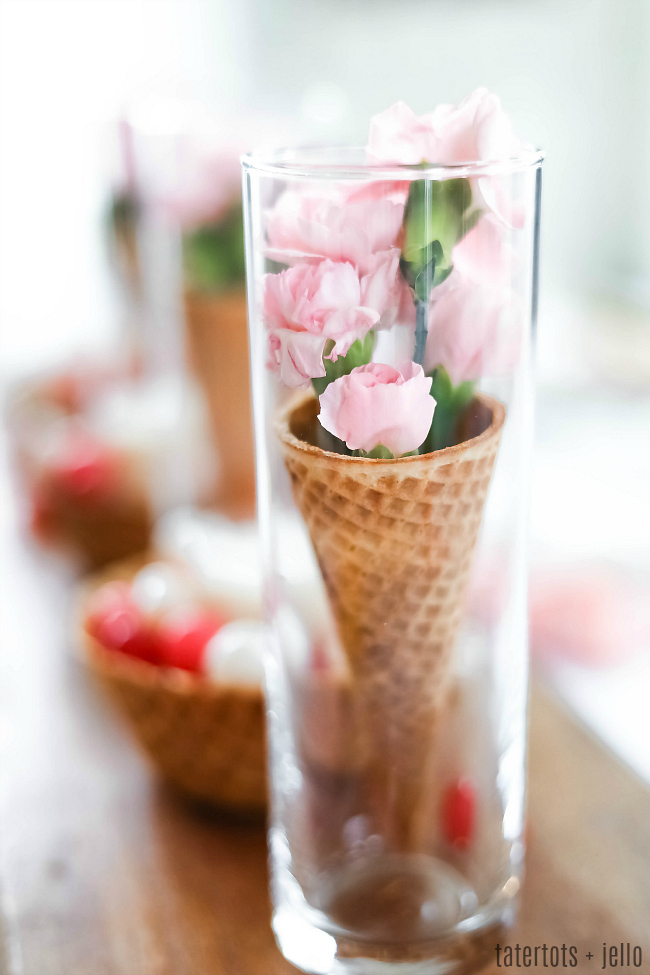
(184, 637)
(117, 624)
(85, 469)
(178, 641)
(42, 520)
(458, 813)
(123, 630)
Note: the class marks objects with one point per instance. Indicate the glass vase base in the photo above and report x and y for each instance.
(401, 915)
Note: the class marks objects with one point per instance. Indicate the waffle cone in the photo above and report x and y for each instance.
(98, 528)
(110, 529)
(217, 339)
(394, 541)
(207, 739)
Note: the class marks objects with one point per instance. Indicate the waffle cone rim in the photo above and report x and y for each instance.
(182, 683)
(442, 456)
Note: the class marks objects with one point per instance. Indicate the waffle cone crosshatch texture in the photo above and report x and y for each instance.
(206, 741)
(217, 340)
(392, 291)
(394, 543)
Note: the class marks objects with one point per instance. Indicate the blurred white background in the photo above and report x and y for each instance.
(574, 75)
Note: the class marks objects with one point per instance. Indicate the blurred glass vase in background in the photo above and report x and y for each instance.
(392, 292)
(207, 204)
(191, 254)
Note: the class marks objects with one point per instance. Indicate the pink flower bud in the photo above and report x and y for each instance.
(376, 404)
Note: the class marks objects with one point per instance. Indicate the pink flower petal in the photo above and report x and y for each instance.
(377, 404)
(474, 330)
(304, 307)
(483, 254)
(303, 226)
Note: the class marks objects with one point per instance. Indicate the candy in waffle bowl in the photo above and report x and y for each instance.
(185, 675)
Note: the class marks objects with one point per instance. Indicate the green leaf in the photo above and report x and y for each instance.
(450, 402)
(213, 254)
(434, 212)
(359, 354)
(443, 390)
(378, 453)
(274, 267)
(470, 219)
(437, 215)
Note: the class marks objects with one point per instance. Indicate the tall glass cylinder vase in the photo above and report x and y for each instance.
(391, 312)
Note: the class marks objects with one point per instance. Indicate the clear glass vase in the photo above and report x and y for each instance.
(395, 574)
(191, 253)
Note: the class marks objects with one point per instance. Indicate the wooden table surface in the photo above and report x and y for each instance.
(104, 872)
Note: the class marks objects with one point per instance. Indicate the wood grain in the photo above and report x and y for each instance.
(104, 872)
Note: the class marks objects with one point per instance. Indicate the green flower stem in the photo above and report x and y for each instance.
(359, 354)
(437, 215)
(420, 330)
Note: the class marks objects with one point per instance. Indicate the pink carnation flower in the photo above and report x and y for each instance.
(484, 255)
(400, 137)
(479, 130)
(475, 321)
(376, 404)
(396, 191)
(303, 226)
(298, 356)
(383, 288)
(305, 306)
(476, 130)
(474, 330)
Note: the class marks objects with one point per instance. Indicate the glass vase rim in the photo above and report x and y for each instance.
(302, 162)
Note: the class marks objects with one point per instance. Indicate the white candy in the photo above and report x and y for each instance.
(224, 555)
(234, 654)
(159, 587)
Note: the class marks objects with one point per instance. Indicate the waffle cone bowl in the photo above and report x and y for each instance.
(394, 540)
(217, 336)
(204, 738)
(98, 522)
(107, 529)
